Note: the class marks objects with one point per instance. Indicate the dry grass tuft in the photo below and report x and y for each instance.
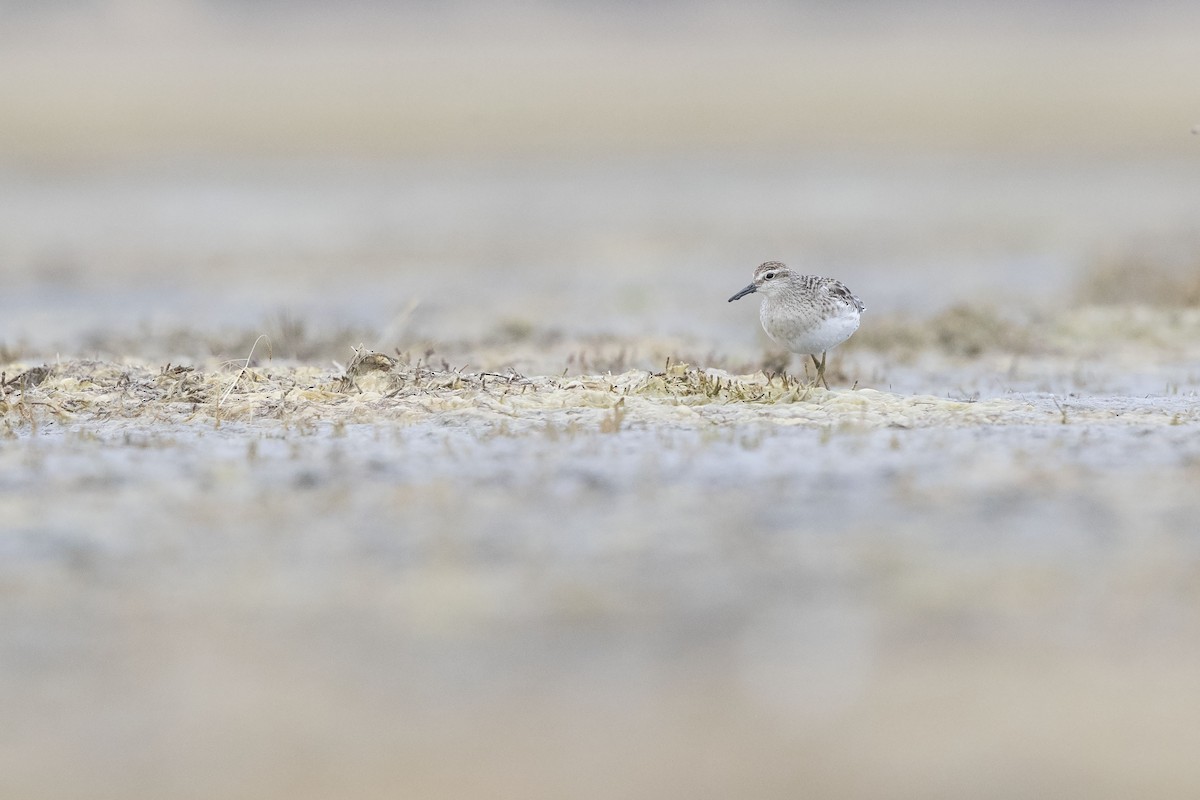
(25, 380)
(691, 386)
(373, 387)
(364, 363)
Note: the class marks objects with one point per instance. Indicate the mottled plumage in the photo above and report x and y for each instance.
(806, 314)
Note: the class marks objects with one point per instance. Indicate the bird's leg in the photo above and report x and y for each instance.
(820, 369)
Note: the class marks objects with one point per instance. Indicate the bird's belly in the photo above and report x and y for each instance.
(813, 336)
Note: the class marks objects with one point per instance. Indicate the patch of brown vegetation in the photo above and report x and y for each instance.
(961, 330)
(1163, 279)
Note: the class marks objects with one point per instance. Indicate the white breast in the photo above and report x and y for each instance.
(809, 331)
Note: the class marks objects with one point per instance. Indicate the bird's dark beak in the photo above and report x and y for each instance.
(749, 289)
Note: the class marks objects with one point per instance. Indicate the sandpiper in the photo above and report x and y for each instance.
(804, 313)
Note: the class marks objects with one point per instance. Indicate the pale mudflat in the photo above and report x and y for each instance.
(291, 580)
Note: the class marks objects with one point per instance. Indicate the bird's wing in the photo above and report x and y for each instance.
(838, 289)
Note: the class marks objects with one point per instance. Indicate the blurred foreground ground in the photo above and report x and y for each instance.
(440, 583)
(534, 559)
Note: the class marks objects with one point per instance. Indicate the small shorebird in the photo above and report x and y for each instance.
(804, 313)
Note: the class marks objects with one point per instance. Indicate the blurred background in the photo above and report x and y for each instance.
(447, 169)
(448, 608)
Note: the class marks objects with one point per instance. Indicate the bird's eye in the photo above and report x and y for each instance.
(768, 276)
